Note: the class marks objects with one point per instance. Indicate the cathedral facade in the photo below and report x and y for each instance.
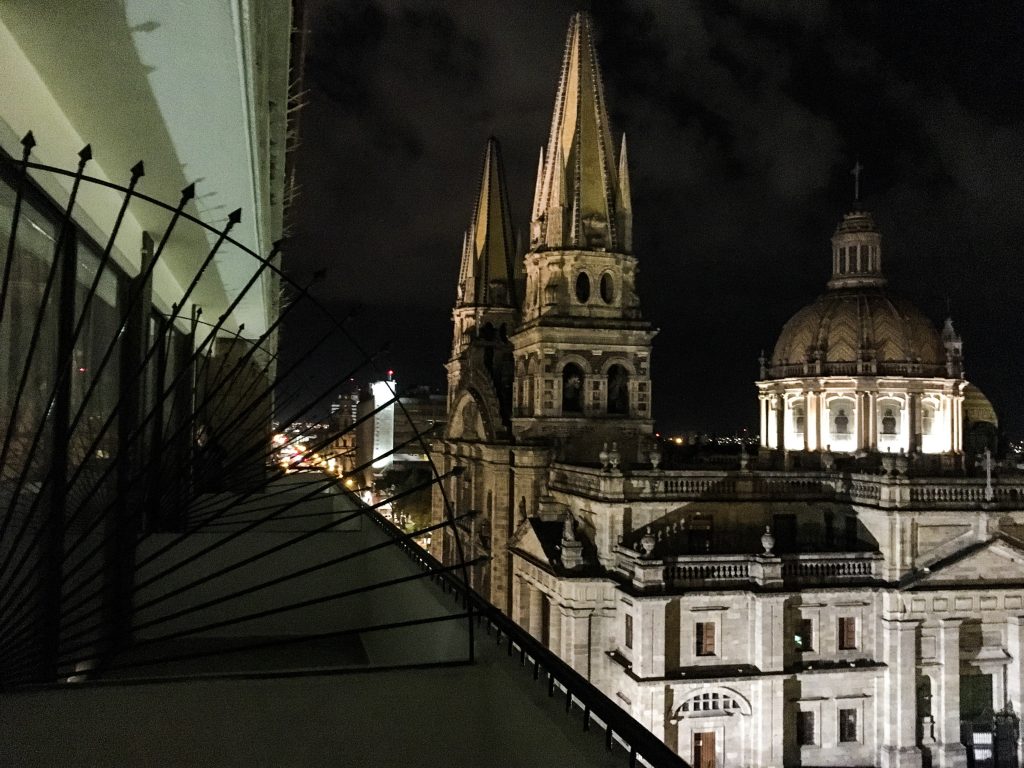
(851, 595)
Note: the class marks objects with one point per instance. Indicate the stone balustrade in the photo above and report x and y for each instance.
(738, 570)
(877, 490)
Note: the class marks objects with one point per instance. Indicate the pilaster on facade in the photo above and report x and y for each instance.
(649, 640)
(1015, 673)
(950, 753)
(899, 729)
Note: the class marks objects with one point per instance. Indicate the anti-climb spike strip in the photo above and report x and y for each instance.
(68, 562)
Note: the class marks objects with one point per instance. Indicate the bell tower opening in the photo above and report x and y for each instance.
(572, 389)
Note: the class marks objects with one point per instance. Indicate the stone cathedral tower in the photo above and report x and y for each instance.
(487, 307)
(554, 367)
(582, 353)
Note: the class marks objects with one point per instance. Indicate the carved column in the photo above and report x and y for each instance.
(808, 400)
(780, 423)
(914, 421)
(764, 421)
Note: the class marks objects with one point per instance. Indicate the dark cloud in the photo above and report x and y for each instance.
(743, 118)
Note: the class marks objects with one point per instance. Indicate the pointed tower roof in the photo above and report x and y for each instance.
(490, 270)
(578, 201)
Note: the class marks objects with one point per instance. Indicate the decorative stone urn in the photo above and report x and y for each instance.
(767, 540)
(655, 456)
(828, 461)
(902, 463)
(613, 457)
(888, 463)
(603, 456)
(647, 542)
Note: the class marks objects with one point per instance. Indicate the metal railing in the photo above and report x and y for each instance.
(597, 708)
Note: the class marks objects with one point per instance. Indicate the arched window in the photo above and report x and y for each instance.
(841, 423)
(618, 390)
(583, 287)
(709, 702)
(607, 288)
(572, 389)
(716, 701)
(798, 419)
(927, 419)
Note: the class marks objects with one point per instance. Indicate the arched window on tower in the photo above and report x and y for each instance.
(572, 389)
(618, 390)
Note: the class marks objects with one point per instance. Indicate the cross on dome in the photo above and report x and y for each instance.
(855, 172)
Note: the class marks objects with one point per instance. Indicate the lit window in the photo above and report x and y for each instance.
(705, 640)
(805, 636)
(847, 633)
(847, 725)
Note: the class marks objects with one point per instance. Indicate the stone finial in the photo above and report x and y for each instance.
(603, 456)
(888, 463)
(647, 542)
(828, 461)
(655, 456)
(902, 463)
(614, 457)
(767, 540)
(568, 533)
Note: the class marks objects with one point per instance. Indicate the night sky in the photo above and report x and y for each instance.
(743, 118)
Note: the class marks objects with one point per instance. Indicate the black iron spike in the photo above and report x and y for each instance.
(64, 365)
(58, 259)
(186, 195)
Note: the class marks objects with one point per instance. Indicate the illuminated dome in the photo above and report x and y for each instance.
(857, 327)
(858, 331)
(859, 369)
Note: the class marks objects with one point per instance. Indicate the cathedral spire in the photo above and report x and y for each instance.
(579, 201)
(490, 271)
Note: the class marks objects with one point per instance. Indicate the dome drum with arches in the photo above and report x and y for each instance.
(861, 369)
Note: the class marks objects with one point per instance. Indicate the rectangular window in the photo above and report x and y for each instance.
(805, 636)
(847, 633)
(629, 631)
(805, 729)
(705, 638)
(847, 725)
